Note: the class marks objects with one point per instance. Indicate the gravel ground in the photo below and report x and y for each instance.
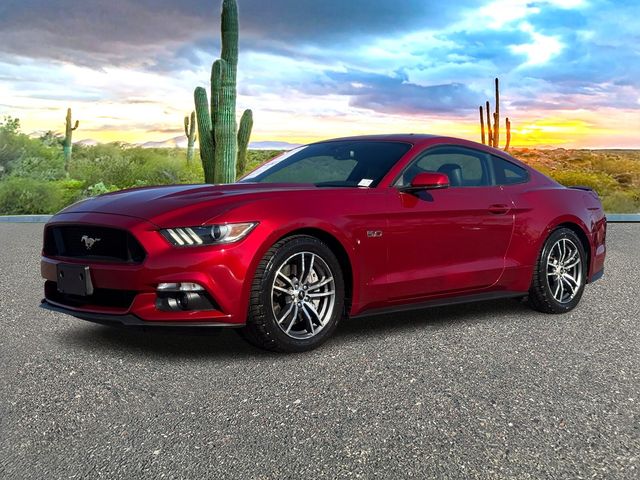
(490, 390)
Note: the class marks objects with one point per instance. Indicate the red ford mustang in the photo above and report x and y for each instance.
(354, 226)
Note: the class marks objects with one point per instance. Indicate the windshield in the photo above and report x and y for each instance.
(348, 163)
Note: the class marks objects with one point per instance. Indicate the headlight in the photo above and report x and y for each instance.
(209, 235)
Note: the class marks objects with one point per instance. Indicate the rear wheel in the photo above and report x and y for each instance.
(560, 274)
(297, 296)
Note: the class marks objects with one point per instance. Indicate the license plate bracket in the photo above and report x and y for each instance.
(74, 279)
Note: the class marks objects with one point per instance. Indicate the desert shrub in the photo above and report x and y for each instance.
(99, 189)
(28, 157)
(598, 181)
(113, 165)
(10, 149)
(622, 202)
(625, 170)
(70, 191)
(29, 196)
(47, 164)
(102, 163)
(156, 166)
(191, 173)
(255, 158)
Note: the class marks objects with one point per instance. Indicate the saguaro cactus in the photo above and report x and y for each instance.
(490, 138)
(496, 118)
(68, 141)
(493, 131)
(482, 126)
(219, 137)
(244, 132)
(190, 132)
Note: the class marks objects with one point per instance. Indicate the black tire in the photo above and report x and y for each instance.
(541, 297)
(262, 328)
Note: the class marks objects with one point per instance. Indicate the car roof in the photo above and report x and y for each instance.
(425, 139)
(396, 137)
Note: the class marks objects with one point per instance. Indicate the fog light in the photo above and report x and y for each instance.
(180, 287)
(185, 296)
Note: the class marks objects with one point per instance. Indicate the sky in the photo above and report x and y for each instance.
(310, 70)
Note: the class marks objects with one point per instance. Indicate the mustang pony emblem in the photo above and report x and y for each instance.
(89, 242)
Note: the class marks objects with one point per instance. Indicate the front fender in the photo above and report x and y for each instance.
(304, 226)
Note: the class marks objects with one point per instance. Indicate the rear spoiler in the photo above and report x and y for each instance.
(586, 189)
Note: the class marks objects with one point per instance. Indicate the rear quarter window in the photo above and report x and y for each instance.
(508, 173)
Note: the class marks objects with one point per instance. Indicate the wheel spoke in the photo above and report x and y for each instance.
(283, 290)
(311, 307)
(321, 294)
(293, 318)
(570, 287)
(568, 277)
(286, 279)
(567, 267)
(301, 273)
(571, 257)
(319, 284)
(286, 314)
(555, 294)
(306, 314)
(306, 279)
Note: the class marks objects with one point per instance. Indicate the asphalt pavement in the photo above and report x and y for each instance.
(488, 390)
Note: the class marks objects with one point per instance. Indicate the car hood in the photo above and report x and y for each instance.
(176, 204)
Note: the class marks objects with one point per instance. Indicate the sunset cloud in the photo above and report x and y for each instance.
(311, 69)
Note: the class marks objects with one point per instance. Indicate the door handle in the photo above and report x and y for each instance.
(499, 208)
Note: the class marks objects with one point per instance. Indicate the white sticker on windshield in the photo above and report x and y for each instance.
(365, 182)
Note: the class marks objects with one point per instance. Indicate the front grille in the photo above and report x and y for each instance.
(101, 297)
(89, 242)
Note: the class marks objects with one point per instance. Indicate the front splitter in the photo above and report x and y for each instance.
(130, 320)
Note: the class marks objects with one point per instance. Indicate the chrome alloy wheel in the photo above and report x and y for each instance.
(564, 270)
(303, 295)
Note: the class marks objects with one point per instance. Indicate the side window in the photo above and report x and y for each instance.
(508, 173)
(463, 166)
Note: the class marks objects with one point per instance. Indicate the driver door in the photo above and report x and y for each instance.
(452, 239)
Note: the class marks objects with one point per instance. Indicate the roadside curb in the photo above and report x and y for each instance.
(24, 218)
(623, 218)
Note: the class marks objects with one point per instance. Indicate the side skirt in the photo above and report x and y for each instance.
(439, 302)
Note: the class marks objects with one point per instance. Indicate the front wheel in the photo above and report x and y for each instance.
(559, 277)
(297, 296)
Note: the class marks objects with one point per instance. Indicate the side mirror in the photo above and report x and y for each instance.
(427, 181)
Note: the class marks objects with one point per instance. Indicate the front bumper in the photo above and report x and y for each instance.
(127, 320)
(128, 290)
